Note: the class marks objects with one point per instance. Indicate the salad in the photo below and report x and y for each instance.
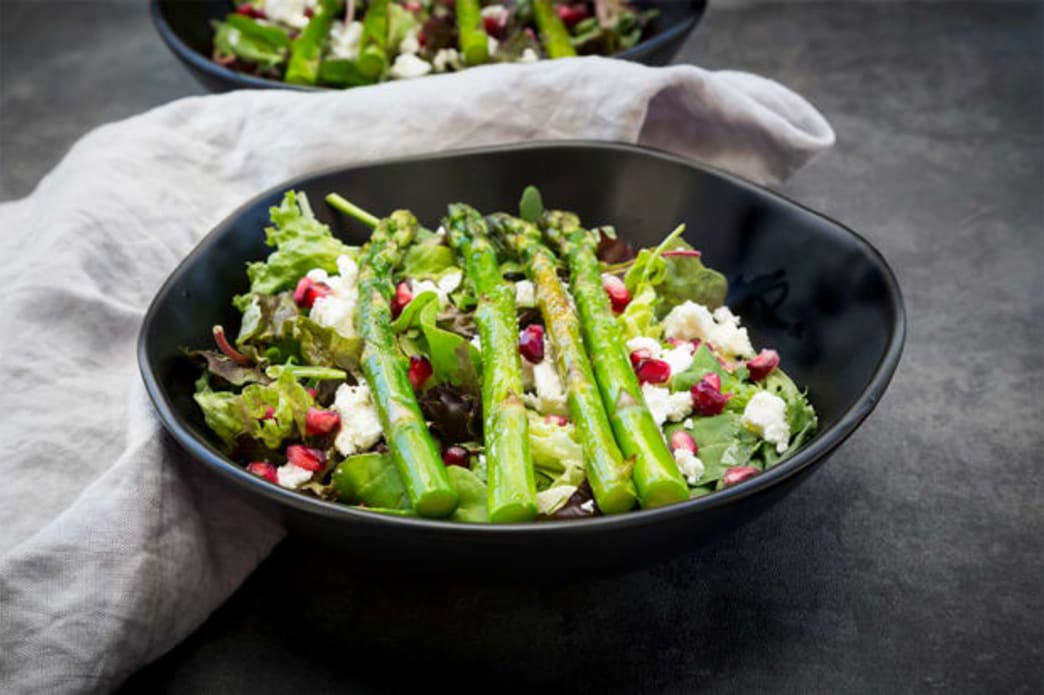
(346, 43)
(501, 368)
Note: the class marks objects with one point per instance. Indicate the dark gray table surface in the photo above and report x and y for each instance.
(913, 561)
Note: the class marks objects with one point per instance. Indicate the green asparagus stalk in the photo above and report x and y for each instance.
(373, 47)
(512, 488)
(656, 474)
(607, 470)
(472, 39)
(553, 33)
(405, 431)
(306, 50)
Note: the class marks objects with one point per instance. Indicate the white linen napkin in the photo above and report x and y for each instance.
(113, 547)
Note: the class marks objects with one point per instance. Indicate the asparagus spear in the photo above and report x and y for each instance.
(553, 33)
(473, 41)
(608, 472)
(306, 50)
(405, 431)
(656, 474)
(512, 488)
(373, 48)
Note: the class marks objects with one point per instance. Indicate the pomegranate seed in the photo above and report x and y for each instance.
(683, 440)
(531, 343)
(455, 456)
(304, 457)
(308, 290)
(420, 370)
(571, 14)
(639, 356)
(735, 476)
(269, 413)
(619, 295)
(319, 421)
(309, 12)
(653, 371)
(556, 420)
(313, 393)
(263, 469)
(530, 34)
(762, 365)
(248, 10)
(495, 24)
(226, 347)
(403, 296)
(422, 38)
(707, 398)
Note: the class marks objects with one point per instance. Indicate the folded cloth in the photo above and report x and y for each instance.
(113, 550)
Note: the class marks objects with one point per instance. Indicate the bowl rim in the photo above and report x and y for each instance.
(820, 447)
(205, 64)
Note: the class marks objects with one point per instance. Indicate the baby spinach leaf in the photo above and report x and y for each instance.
(371, 479)
(472, 493)
(531, 206)
(427, 261)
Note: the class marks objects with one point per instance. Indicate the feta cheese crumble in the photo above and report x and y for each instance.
(650, 345)
(665, 405)
(766, 415)
(360, 424)
(528, 56)
(337, 309)
(289, 12)
(446, 59)
(689, 464)
(550, 396)
(678, 358)
(692, 321)
(410, 44)
(291, 476)
(408, 66)
(443, 287)
(345, 39)
(588, 507)
(525, 294)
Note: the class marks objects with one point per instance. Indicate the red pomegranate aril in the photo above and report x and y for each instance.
(619, 295)
(556, 420)
(571, 14)
(736, 475)
(422, 38)
(319, 421)
(403, 296)
(420, 370)
(455, 456)
(707, 398)
(314, 393)
(309, 12)
(762, 365)
(494, 24)
(305, 457)
(639, 356)
(308, 290)
(683, 440)
(263, 469)
(248, 10)
(653, 371)
(531, 343)
(269, 414)
(412, 6)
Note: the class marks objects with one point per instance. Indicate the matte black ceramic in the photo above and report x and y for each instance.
(185, 28)
(803, 284)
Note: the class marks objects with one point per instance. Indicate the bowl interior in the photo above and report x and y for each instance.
(802, 284)
(190, 22)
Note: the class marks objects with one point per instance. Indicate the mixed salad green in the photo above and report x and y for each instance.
(501, 368)
(346, 43)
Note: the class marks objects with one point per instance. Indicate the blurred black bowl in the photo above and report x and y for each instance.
(803, 284)
(185, 28)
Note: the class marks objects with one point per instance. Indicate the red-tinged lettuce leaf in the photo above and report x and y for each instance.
(455, 415)
(231, 372)
(270, 413)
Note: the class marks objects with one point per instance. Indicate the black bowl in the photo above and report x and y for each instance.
(811, 288)
(185, 28)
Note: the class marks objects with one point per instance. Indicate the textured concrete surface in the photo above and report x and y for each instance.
(913, 561)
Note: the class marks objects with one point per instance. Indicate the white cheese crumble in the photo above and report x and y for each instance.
(291, 476)
(443, 287)
(588, 507)
(766, 415)
(525, 294)
(495, 11)
(477, 342)
(360, 424)
(550, 396)
(337, 309)
(665, 405)
(289, 12)
(650, 345)
(492, 44)
(692, 321)
(408, 66)
(678, 358)
(529, 56)
(689, 464)
(688, 423)
(446, 59)
(344, 39)
(410, 44)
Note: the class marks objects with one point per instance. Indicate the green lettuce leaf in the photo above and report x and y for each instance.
(263, 45)
(556, 452)
(371, 479)
(472, 493)
(428, 260)
(302, 243)
(231, 415)
(454, 359)
(639, 318)
(221, 411)
(324, 347)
